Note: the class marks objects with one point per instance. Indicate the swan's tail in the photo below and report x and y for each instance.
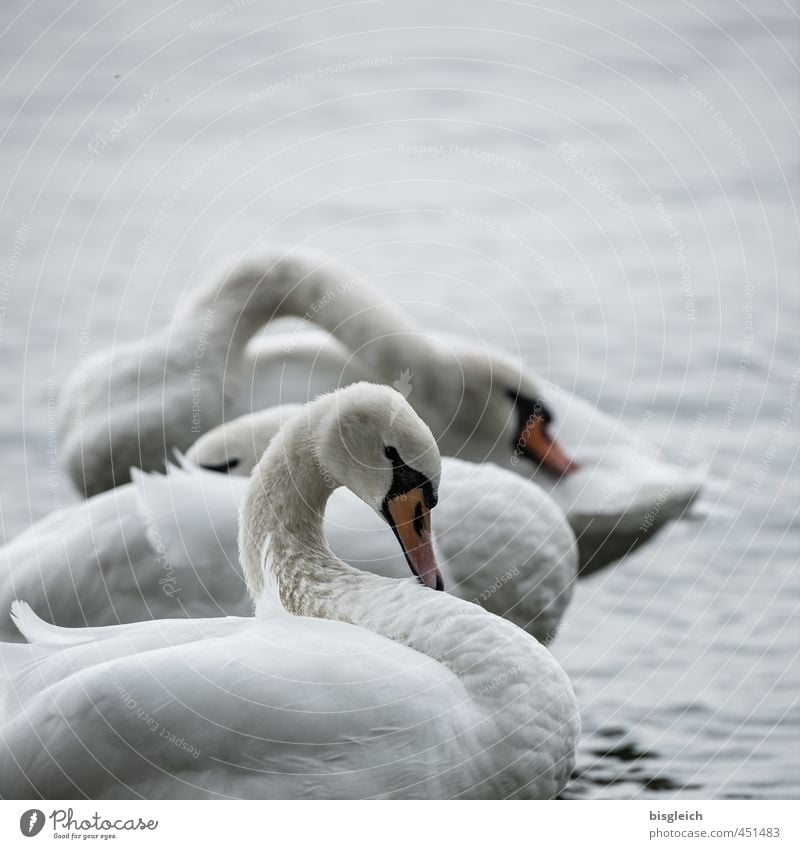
(35, 630)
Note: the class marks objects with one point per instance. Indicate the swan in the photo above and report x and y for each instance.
(344, 684)
(164, 546)
(133, 404)
(503, 542)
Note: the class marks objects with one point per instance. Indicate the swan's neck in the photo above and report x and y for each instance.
(282, 543)
(246, 295)
(284, 551)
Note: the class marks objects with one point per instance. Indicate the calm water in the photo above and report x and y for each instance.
(609, 189)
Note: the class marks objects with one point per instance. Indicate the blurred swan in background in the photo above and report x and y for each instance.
(424, 695)
(132, 405)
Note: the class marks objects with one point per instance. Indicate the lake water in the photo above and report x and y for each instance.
(610, 189)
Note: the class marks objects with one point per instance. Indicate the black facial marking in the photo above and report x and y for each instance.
(529, 408)
(223, 468)
(404, 479)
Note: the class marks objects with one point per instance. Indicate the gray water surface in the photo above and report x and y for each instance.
(609, 190)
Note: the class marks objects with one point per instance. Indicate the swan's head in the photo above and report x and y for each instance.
(503, 405)
(235, 447)
(369, 439)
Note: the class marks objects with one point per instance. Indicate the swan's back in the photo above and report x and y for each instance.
(79, 562)
(129, 407)
(508, 545)
(290, 708)
(162, 546)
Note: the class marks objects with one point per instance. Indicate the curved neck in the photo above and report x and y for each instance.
(281, 532)
(248, 293)
(283, 549)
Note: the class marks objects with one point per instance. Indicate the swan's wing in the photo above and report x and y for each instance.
(623, 472)
(191, 521)
(507, 544)
(284, 368)
(88, 564)
(231, 707)
(623, 491)
(162, 546)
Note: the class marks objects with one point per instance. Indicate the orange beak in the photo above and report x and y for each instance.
(536, 442)
(410, 519)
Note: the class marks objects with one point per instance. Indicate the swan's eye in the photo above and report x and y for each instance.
(392, 454)
(223, 468)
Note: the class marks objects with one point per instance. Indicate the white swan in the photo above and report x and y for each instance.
(503, 542)
(132, 405)
(165, 545)
(345, 685)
